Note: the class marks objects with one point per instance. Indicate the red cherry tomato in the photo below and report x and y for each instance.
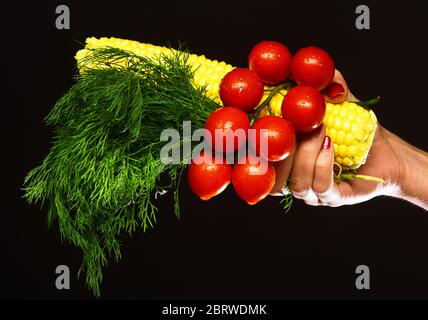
(304, 107)
(207, 178)
(312, 66)
(253, 182)
(241, 88)
(223, 119)
(279, 135)
(271, 60)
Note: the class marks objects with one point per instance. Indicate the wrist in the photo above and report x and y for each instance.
(411, 168)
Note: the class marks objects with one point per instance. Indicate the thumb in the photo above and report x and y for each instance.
(337, 91)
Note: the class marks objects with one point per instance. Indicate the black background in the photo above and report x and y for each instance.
(223, 248)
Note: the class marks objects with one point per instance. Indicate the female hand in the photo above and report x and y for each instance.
(309, 169)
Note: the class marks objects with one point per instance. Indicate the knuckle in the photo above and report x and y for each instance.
(298, 185)
(320, 186)
(304, 168)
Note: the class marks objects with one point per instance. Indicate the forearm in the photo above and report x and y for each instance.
(412, 177)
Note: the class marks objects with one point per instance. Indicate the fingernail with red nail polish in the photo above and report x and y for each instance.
(334, 90)
(327, 143)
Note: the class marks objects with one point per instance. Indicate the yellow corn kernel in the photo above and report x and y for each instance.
(350, 126)
(352, 129)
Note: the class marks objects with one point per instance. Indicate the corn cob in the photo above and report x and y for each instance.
(351, 127)
(206, 72)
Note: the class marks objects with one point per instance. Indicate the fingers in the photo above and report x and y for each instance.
(331, 197)
(282, 172)
(323, 184)
(310, 166)
(305, 159)
(337, 91)
(312, 171)
(308, 195)
(323, 173)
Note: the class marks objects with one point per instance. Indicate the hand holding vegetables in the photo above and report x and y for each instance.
(309, 168)
(303, 110)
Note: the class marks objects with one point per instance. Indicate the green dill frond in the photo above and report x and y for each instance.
(99, 178)
(287, 199)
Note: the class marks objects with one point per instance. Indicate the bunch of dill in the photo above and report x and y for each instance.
(104, 165)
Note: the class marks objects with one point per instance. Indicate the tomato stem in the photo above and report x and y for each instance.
(274, 91)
